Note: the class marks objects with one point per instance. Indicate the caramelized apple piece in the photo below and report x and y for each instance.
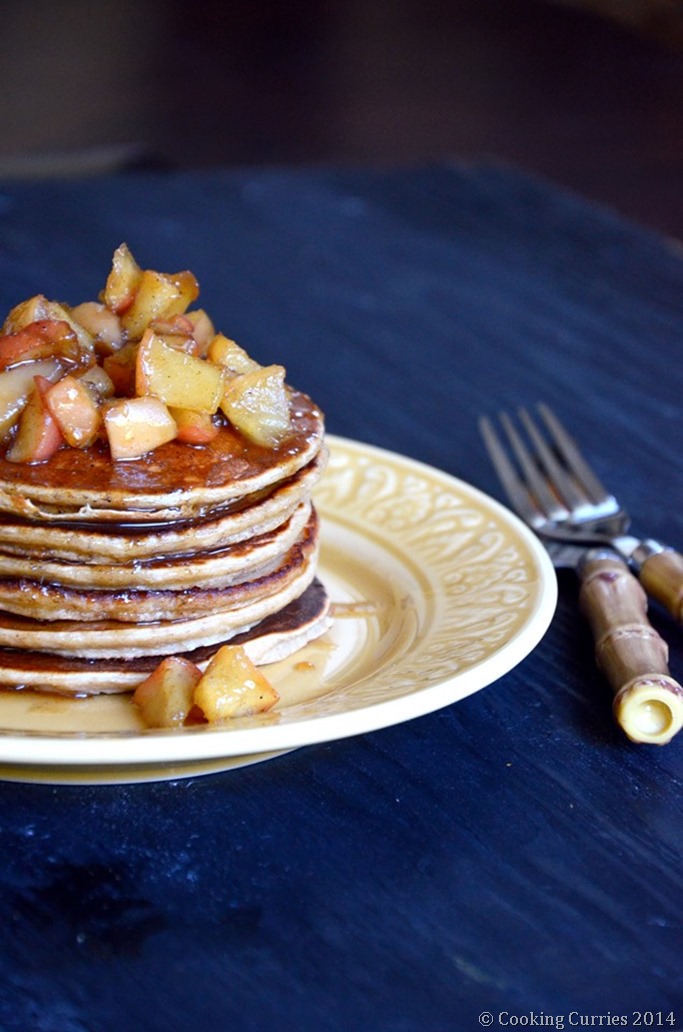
(257, 405)
(202, 329)
(45, 338)
(76, 414)
(158, 296)
(232, 686)
(98, 382)
(136, 426)
(179, 379)
(38, 435)
(165, 698)
(178, 325)
(120, 368)
(15, 386)
(103, 325)
(177, 332)
(194, 427)
(32, 310)
(122, 282)
(39, 309)
(180, 341)
(228, 353)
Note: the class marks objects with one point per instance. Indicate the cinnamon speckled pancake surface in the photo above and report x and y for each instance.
(126, 543)
(175, 481)
(273, 638)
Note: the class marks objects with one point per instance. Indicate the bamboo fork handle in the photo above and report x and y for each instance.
(662, 577)
(648, 702)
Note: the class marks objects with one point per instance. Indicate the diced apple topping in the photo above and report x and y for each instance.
(122, 282)
(202, 329)
(166, 697)
(136, 426)
(176, 377)
(38, 435)
(44, 338)
(98, 382)
(257, 405)
(232, 686)
(177, 692)
(16, 385)
(34, 309)
(194, 427)
(75, 411)
(227, 353)
(135, 369)
(177, 332)
(158, 296)
(102, 324)
(38, 309)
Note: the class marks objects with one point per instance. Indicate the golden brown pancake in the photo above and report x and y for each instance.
(162, 637)
(49, 602)
(216, 567)
(120, 541)
(175, 481)
(127, 542)
(274, 638)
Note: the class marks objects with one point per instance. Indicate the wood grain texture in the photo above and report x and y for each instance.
(662, 577)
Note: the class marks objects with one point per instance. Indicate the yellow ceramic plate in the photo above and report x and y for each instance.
(437, 592)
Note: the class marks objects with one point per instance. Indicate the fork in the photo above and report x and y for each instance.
(559, 495)
(554, 490)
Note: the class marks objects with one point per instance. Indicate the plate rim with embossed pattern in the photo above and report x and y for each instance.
(478, 584)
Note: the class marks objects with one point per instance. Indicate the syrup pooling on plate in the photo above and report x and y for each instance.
(155, 485)
(490, 595)
(299, 679)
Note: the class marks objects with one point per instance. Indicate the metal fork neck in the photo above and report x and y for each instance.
(645, 550)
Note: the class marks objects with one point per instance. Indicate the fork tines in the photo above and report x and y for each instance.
(542, 470)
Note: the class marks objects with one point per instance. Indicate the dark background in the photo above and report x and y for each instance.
(512, 851)
(588, 94)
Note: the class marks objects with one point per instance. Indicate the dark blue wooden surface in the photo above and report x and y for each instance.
(511, 854)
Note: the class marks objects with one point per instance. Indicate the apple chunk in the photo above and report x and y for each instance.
(39, 309)
(166, 697)
(256, 403)
(226, 352)
(101, 323)
(120, 368)
(203, 329)
(73, 407)
(38, 434)
(136, 426)
(158, 296)
(232, 686)
(194, 427)
(122, 281)
(17, 383)
(98, 383)
(44, 338)
(179, 379)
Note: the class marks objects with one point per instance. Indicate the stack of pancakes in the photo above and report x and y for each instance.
(107, 567)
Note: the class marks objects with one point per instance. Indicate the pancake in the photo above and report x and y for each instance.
(155, 491)
(172, 482)
(273, 639)
(217, 567)
(94, 638)
(128, 542)
(52, 602)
